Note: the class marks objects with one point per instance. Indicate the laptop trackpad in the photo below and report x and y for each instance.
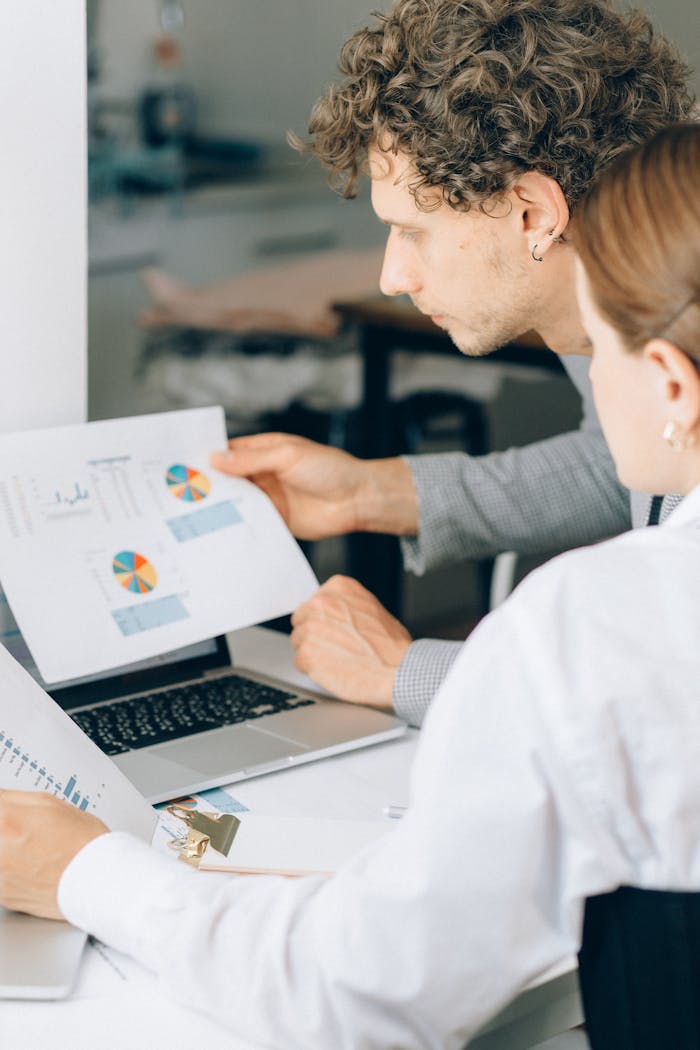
(229, 750)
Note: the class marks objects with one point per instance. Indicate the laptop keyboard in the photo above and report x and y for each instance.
(171, 714)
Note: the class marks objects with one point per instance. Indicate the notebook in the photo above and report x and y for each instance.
(271, 845)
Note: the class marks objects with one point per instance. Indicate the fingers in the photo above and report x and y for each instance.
(258, 454)
(268, 439)
(14, 800)
(343, 616)
(39, 836)
(323, 605)
(337, 636)
(343, 660)
(335, 598)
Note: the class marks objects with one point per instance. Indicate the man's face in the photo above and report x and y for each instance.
(470, 272)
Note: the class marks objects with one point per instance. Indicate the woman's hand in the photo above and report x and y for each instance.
(39, 836)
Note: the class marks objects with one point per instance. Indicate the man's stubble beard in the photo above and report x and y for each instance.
(514, 310)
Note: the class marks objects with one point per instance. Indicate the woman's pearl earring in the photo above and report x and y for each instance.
(675, 438)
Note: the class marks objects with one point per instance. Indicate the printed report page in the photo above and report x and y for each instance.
(41, 749)
(119, 542)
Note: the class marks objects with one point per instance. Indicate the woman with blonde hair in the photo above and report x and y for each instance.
(558, 762)
(638, 239)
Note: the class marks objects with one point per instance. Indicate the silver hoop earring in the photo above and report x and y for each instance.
(675, 438)
(535, 258)
(554, 240)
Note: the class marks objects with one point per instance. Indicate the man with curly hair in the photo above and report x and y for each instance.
(480, 123)
(560, 760)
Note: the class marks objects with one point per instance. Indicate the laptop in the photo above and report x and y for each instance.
(39, 958)
(189, 720)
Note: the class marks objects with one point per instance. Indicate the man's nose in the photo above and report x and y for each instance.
(399, 275)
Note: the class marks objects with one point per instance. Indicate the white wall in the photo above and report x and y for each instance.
(43, 205)
(258, 65)
(125, 30)
(680, 21)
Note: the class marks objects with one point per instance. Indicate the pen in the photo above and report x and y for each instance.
(394, 811)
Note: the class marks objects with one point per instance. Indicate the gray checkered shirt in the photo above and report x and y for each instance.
(549, 496)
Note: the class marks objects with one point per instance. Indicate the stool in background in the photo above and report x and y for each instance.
(386, 327)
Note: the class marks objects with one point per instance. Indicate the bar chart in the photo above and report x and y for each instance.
(32, 775)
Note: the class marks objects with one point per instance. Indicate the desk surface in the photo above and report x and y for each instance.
(117, 1005)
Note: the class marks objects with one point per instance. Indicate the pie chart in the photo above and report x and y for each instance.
(134, 572)
(187, 483)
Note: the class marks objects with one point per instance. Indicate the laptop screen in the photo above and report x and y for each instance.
(166, 669)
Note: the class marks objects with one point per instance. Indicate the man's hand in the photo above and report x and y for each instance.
(39, 836)
(348, 643)
(322, 491)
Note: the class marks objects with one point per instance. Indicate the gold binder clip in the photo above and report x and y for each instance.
(190, 846)
(219, 829)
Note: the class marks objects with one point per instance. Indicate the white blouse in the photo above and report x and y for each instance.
(560, 759)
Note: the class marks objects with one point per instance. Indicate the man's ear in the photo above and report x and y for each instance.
(678, 383)
(540, 208)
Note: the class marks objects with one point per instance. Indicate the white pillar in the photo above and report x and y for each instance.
(43, 213)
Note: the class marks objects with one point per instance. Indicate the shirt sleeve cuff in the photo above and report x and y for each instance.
(102, 891)
(419, 676)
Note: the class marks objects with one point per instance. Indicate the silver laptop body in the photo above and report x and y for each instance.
(39, 958)
(317, 728)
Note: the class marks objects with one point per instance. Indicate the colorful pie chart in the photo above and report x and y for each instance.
(134, 572)
(187, 483)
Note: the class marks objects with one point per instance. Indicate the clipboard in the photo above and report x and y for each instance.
(256, 844)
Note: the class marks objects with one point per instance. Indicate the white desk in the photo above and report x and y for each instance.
(117, 1005)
